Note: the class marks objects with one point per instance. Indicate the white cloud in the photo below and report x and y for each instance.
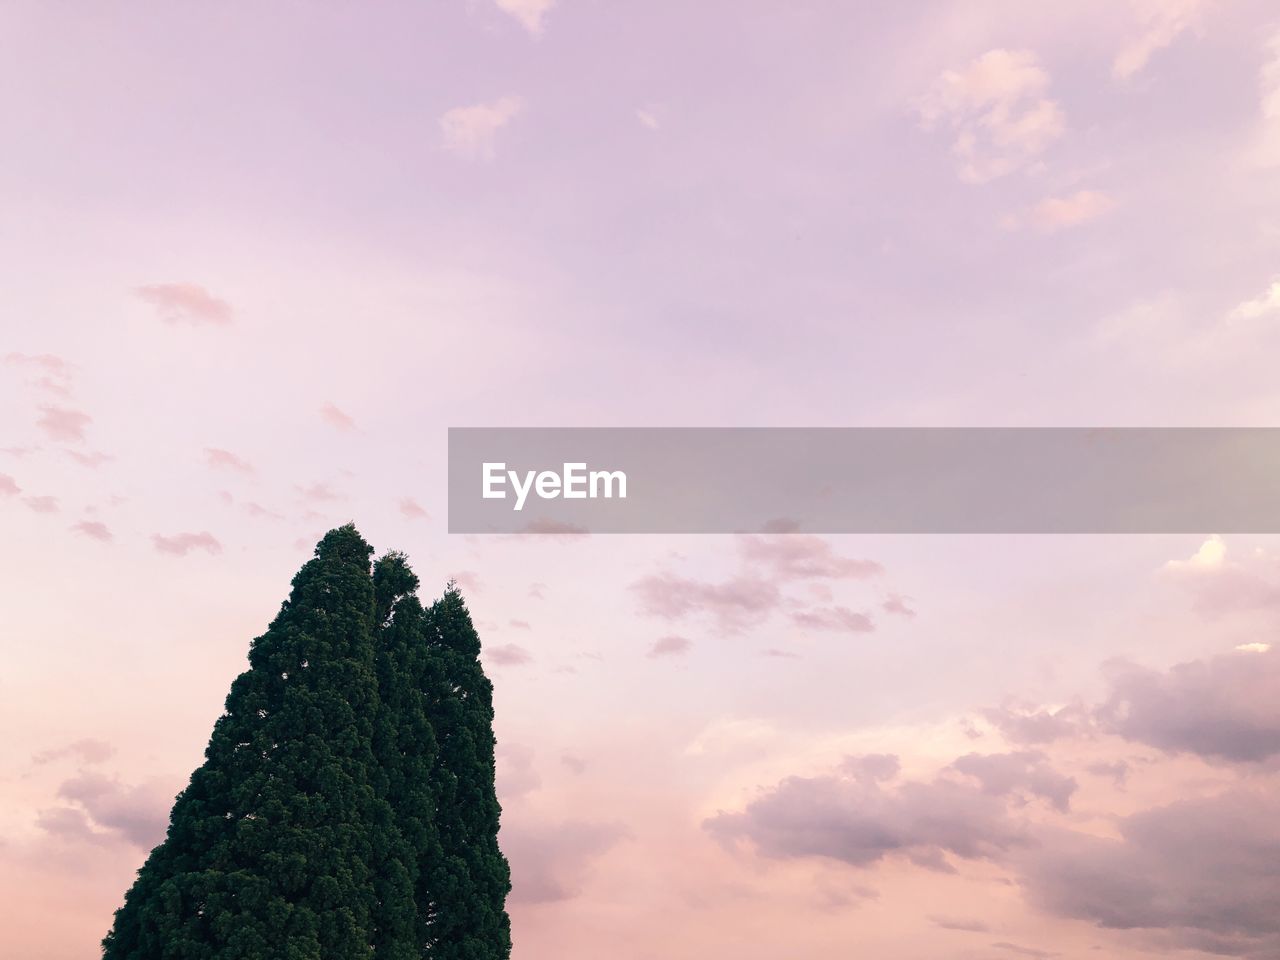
(1267, 302)
(528, 12)
(1211, 555)
(1061, 213)
(1163, 21)
(648, 117)
(999, 113)
(471, 131)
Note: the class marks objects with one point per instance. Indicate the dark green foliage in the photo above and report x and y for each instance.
(346, 807)
(467, 885)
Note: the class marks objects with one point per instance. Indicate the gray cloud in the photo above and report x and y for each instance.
(1004, 774)
(1224, 708)
(1202, 874)
(549, 861)
(855, 818)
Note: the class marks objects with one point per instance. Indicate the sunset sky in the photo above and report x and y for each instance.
(257, 260)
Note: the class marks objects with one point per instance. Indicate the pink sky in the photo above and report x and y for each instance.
(257, 261)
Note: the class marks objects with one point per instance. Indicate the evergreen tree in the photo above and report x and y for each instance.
(346, 806)
(405, 746)
(464, 889)
(281, 848)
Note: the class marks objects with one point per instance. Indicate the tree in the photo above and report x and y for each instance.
(464, 889)
(275, 847)
(346, 805)
(405, 746)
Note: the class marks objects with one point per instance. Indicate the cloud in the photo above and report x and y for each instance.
(42, 504)
(92, 459)
(1162, 22)
(508, 655)
(648, 117)
(1204, 872)
(670, 646)
(859, 820)
(180, 544)
(1006, 774)
(897, 606)
(1021, 951)
(959, 923)
(516, 775)
(63, 424)
(803, 557)
(137, 814)
(319, 493)
(8, 486)
(94, 530)
(54, 372)
(1266, 303)
(472, 131)
(529, 12)
(1061, 213)
(336, 418)
(87, 750)
(834, 619)
(1023, 724)
(187, 303)
(410, 509)
(735, 604)
(220, 459)
(998, 112)
(1223, 708)
(259, 511)
(549, 861)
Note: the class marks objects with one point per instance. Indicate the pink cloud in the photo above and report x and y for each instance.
(63, 424)
(87, 750)
(180, 544)
(8, 486)
(92, 459)
(804, 557)
(898, 606)
(220, 459)
(472, 131)
(735, 604)
(319, 493)
(833, 619)
(999, 113)
(411, 510)
(670, 646)
(42, 504)
(468, 579)
(1060, 213)
(187, 303)
(549, 861)
(508, 655)
(336, 418)
(259, 511)
(94, 530)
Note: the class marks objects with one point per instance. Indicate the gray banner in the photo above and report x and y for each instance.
(864, 480)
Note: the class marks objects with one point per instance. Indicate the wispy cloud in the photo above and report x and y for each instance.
(530, 13)
(220, 459)
(472, 131)
(1161, 22)
(63, 424)
(336, 418)
(180, 544)
(670, 646)
(187, 303)
(94, 529)
(998, 110)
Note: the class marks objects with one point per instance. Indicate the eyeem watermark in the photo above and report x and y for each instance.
(573, 482)
(864, 480)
